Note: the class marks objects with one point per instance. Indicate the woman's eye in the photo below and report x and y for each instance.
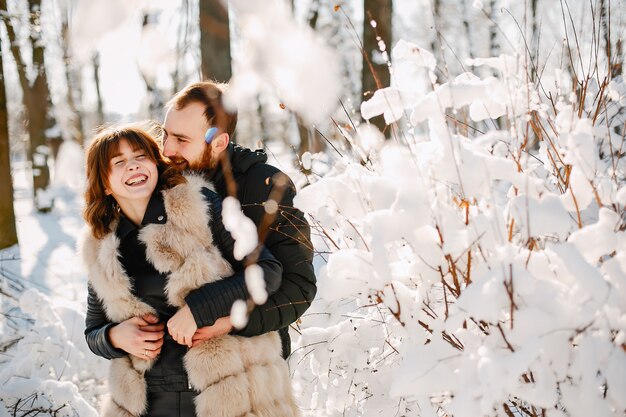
(142, 156)
(117, 163)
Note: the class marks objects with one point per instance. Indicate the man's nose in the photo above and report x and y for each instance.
(168, 148)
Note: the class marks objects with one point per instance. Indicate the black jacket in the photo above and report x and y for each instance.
(288, 240)
(168, 373)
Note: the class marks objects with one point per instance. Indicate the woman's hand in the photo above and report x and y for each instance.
(139, 336)
(182, 326)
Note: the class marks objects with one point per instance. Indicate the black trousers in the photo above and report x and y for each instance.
(171, 404)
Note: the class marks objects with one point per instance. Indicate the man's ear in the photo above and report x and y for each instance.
(220, 142)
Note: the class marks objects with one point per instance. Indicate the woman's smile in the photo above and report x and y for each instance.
(137, 179)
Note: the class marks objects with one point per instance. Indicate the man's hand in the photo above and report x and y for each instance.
(221, 327)
(139, 336)
(182, 326)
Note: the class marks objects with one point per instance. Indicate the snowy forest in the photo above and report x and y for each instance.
(461, 164)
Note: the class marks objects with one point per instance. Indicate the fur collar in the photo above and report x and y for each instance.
(183, 248)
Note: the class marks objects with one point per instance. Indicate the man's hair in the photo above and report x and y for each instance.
(209, 94)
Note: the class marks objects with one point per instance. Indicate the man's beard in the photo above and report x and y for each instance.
(206, 162)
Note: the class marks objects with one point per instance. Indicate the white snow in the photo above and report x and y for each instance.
(492, 275)
(46, 363)
(474, 259)
(256, 284)
(239, 314)
(242, 229)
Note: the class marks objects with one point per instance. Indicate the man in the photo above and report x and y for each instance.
(196, 135)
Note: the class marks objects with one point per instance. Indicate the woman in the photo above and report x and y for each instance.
(154, 238)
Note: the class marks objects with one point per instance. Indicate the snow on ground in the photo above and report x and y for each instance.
(45, 363)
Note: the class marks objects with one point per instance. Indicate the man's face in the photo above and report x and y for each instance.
(183, 140)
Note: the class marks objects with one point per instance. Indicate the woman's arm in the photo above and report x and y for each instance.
(97, 327)
(139, 336)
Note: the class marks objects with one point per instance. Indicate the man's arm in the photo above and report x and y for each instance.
(289, 241)
(214, 300)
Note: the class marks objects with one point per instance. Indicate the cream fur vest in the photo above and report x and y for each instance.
(236, 376)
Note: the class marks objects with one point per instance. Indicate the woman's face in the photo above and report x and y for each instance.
(133, 175)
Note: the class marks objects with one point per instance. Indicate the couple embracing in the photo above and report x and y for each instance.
(163, 275)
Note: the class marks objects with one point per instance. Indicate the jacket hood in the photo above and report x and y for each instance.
(242, 159)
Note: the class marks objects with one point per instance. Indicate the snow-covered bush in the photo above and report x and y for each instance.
(475, 264)
(50, 370)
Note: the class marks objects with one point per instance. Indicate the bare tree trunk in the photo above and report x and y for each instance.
(435, 43)
(436, 18)
(614, 58)
(375, 75)
(606, 30)
(260, 115)
(182, 40)
(72, 87)
(533, 11)
(309, 139)
(468, 32)
(36, 98)
(155, 106)
(95, 63)
(15, 49)
(8, 232)
(534, 39)
(304, 132)
(494, 48)
(618, 62)
(39, 99)
(215, 41)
